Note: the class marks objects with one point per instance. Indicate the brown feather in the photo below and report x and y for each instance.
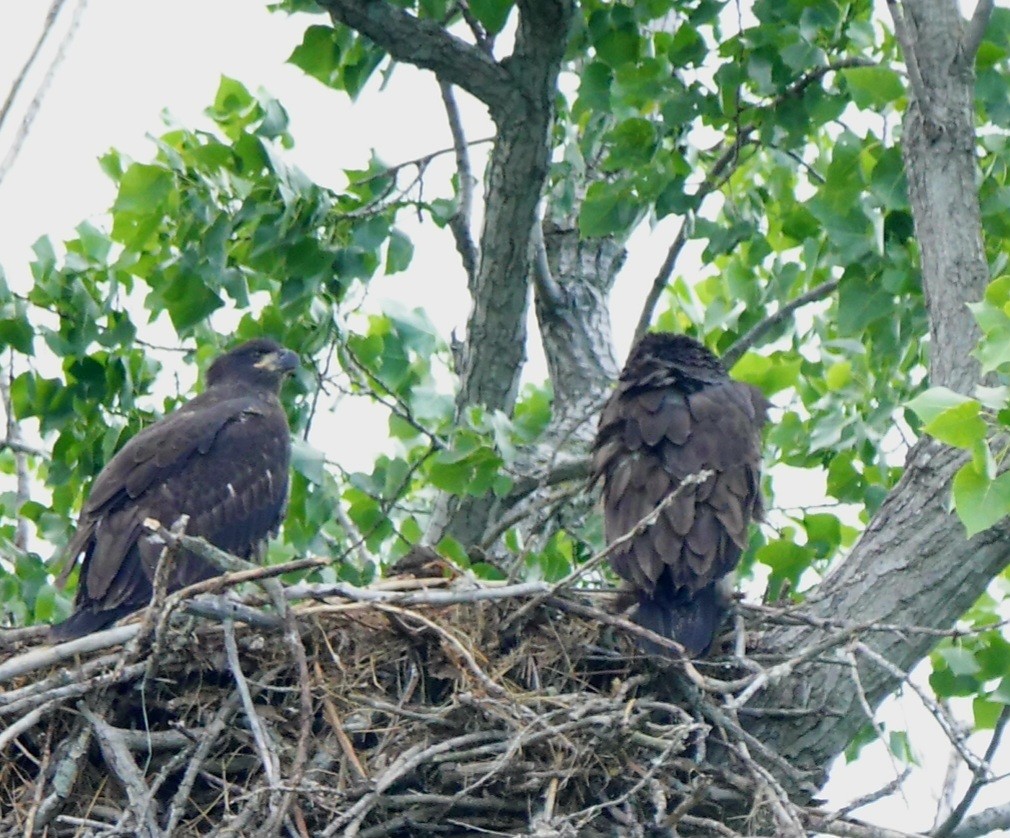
(676, 412)
(222, 460)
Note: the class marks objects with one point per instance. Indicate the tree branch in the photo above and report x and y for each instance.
(984, 823)
(33, 107)
(760, 329)
(459, 224)
(973, 35)
(981, 776)
(47, 28)
(428, 45)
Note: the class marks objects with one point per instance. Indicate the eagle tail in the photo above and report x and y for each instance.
(691, 619)
(86, 621)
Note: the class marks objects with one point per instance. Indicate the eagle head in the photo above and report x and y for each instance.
(262, 362)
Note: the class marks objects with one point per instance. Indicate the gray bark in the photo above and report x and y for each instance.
(913, 565)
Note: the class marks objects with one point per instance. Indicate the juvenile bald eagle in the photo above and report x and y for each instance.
(222, 459)
(675, 413)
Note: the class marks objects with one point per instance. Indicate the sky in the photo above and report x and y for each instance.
(132, 60)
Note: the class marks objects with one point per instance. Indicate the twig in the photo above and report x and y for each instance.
(760, 329)
(268, 754)
(459, 224)
(26, 722)
(51, 655)
(980, 777)
(403, 764)
(663, 275)
(210, 736)
(47, 28)
(33, 107)
(596, 560)
(120, 761)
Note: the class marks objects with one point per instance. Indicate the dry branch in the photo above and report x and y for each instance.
(421, 707)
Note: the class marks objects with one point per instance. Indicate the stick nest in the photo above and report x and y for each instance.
(505, 716)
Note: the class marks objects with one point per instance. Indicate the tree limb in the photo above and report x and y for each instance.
(973, 35)
(760, 329)
(426, 44)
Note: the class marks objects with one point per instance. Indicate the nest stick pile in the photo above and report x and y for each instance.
(422, 707)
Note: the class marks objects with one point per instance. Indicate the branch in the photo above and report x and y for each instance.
(760, 329)
(726, 163)
(984, 823)
(972, 38)
(663, 277)
(47, 28)
(426, 44)
(981, 777)
(33, 107)
(908, 43)
(459, 224)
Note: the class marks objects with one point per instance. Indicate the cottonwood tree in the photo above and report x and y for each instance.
(847, 173)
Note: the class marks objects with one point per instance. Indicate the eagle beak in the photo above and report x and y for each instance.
(284, 361)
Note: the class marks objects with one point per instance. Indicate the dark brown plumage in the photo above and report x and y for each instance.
(675, 413)
(222, 459)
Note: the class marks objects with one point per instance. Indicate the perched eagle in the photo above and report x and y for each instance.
(675, 413)
(222, 459)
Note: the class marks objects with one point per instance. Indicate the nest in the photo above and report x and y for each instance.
(421, 707)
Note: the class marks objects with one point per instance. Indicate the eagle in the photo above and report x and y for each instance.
(222, 459)
(675, 413)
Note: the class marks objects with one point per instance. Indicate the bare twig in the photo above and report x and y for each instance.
(760, 329)
(461, 220)
(267, 751)
(33, 107)
(981, 776)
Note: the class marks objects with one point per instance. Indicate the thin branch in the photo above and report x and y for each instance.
(546, 285)
(663, 276)
(724, 166)
(759, 330)
(461, 220)
(981, 777)
(23, 485)
(47, 28)
(972, 38)
(33, 107)
(907, 41)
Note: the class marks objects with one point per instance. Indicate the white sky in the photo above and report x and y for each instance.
(132, 59)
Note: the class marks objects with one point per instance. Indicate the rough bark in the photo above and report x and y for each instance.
(913, 565)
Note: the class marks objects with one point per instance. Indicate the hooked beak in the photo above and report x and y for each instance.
(284, 361)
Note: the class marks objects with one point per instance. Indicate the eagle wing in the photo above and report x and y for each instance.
(224, 463)
(648, 442)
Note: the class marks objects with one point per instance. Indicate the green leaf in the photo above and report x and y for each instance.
(959, 660)
(308, 461)
(979, 502)
(399, 252)
(143, 189)
(986, 713)
(492, 13)
(932, 403)
(319, 55)
(609, 208)
(771, 373)
(960, 426)
(873, 87)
